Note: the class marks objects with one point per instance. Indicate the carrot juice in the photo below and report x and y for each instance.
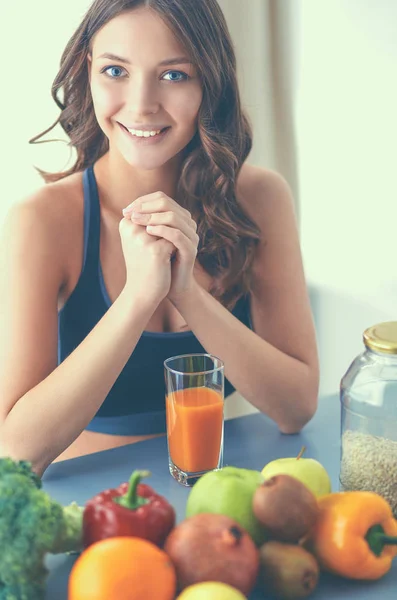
(194, 428)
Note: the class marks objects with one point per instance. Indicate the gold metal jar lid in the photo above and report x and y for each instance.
(382, 337)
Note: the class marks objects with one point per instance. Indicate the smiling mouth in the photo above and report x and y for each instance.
(144, 133)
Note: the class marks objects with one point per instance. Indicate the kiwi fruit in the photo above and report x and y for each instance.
(286, 507)
(287, 571)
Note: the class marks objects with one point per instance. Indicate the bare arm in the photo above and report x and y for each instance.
(275, 367)
(43, 408)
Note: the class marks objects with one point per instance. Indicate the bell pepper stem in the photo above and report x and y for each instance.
(388, 539)
(377, 539)
(131, 499)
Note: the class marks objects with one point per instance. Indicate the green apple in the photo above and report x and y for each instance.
(308, 470)
(229, 491)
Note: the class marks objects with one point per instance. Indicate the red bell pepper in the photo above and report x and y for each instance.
(132, 509)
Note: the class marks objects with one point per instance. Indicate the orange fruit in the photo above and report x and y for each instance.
(122, 568)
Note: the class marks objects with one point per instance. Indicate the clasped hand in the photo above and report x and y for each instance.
(164, 218)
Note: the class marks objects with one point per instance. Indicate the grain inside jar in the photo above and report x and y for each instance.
(369, 463)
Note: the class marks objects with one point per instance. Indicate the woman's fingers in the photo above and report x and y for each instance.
(181, 242)
(157, 202)
(170, 219)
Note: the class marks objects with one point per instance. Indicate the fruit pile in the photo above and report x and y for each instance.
(274, 530)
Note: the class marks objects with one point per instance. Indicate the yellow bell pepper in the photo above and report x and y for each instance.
(355, 535)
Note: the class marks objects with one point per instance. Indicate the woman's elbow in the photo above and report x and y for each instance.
(7, 451)
(301, 415)
(295, 426)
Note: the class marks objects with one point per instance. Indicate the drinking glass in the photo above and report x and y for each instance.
(194, 411)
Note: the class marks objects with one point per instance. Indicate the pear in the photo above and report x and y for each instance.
(308, 470)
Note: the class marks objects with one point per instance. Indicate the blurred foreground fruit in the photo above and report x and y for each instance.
(308, 470)
(228, 492)
(210, 547)
(211, 590)
(122, 568)
(287, 572)
(286, 507)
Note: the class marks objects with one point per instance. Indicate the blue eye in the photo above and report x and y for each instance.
(176, 76)
(113, 72)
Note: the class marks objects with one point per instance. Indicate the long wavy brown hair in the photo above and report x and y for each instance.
(213, 158)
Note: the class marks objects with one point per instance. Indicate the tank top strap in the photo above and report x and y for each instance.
(92, 222)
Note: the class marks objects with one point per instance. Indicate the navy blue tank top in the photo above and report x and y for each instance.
(135, 404)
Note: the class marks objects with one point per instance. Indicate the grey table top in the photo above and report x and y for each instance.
(250, 442)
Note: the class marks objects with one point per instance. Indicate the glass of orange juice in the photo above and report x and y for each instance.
(194, 411)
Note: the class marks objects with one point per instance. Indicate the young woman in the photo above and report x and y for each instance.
(159, 241)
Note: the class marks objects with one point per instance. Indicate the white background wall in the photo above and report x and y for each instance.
(346, 127)
(347, 140)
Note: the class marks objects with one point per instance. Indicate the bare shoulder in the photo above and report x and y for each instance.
(264, 194)
(53, 207)
(49, 218)
(54, 203)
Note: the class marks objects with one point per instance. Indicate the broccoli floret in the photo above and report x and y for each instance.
(20, 592)
(21, 467)
(31, 525)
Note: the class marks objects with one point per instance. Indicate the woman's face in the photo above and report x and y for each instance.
(146, 92)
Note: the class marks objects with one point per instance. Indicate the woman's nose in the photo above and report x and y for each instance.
(143, 97)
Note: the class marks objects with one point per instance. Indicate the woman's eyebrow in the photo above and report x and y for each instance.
(178, 60)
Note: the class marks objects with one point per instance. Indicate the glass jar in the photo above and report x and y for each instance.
(368, 393)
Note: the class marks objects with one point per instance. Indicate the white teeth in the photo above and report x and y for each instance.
(140, 133)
